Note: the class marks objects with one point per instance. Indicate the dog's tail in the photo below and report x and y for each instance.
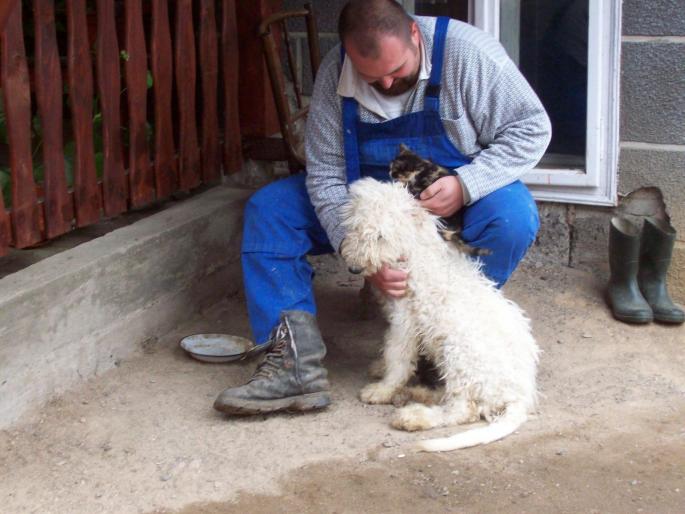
(514, 416)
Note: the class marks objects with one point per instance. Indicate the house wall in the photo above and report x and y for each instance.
(652, 134)
(653, 112)
(652, 148)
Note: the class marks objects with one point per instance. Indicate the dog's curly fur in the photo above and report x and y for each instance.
(452, 313)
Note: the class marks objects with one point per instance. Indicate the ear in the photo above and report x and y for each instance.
(404, 149)
(415, 34)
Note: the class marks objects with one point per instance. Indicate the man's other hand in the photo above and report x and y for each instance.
(443, 197)
(391, 282)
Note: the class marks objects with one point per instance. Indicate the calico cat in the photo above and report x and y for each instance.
(417, 174)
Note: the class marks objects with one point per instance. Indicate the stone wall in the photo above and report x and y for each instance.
(652, 148)
(653, 112)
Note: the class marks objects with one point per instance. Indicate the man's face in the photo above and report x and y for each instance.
(396, 69)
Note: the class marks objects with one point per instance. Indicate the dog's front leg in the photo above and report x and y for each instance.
(399, 356)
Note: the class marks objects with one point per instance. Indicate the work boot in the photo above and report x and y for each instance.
(658, 239)
(625, 299)
(290, 377)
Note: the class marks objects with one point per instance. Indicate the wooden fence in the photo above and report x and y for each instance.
(118, 104)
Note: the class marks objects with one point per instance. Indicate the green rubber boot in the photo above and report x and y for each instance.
(291, 376)
(658, 239)
(626, 302)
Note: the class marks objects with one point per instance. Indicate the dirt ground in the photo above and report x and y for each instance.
(143, 438)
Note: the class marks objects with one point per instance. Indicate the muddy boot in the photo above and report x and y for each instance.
(658, 239)
(290, 377)
(625, 299)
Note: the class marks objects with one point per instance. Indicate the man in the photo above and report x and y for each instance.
(450, 93)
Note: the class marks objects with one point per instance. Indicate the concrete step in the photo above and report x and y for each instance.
(77, 314)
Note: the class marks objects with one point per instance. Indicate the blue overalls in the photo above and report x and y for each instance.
(281, 227)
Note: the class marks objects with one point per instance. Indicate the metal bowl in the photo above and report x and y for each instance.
(217, 347)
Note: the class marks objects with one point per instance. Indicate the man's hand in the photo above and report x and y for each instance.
(391, 282)
(443, 197)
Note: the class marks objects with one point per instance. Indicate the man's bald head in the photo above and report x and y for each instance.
(365, 22)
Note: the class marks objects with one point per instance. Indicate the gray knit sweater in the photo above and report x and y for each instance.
(489, 111)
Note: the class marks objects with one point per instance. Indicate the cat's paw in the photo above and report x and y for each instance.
(377, 393)
(414, 417)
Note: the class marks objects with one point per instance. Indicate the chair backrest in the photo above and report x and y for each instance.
(271, 30)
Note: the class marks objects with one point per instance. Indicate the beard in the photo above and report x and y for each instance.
(399, 85)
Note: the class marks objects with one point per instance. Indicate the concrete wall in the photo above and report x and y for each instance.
(652, 148)
(653, 111)
(78, 313)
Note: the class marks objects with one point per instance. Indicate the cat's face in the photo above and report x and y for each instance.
(405, 166)
(417, 173)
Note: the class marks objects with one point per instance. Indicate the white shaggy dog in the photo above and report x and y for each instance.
(480, 341)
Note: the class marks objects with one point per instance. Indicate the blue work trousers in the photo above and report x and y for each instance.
(281, 229)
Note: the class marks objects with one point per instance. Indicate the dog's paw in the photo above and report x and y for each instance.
(377, 393)
(414, 417)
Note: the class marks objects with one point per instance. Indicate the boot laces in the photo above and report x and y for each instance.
(274, 356)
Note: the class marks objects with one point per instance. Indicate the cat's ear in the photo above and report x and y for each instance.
(404, 149)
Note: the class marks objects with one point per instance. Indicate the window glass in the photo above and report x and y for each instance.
(549, 42)
(457, 9)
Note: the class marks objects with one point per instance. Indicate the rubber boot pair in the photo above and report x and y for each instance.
(290, 377)
(639, 261)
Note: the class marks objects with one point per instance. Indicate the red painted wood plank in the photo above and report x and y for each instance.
(109, 83)
(258, 115)
(233, 156)
(209, 66)
(59, 211)
(26, 213)
(166, 172)
(5, 229)
(6, 7)
(80, 66)
(139, 170)
(189, 172)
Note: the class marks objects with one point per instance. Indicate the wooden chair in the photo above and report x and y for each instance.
(276, 37)
(292, 146)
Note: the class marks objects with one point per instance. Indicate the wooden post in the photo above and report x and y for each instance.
(139, 170)
(166, 172)
(233, 155)
(186, 74)
(209, 71)
(6, 7)
(59, 211)
(109, 86)
(258, 115)
(26, 213)
(86, 191)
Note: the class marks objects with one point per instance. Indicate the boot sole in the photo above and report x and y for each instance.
(305, 402)
(637, 320)
(668, 320)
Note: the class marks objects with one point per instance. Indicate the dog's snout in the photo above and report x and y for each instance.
(357, 270)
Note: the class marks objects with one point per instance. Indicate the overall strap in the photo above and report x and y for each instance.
(432, 98)
(350, 143)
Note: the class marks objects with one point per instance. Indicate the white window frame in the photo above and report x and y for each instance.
(597, 183)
